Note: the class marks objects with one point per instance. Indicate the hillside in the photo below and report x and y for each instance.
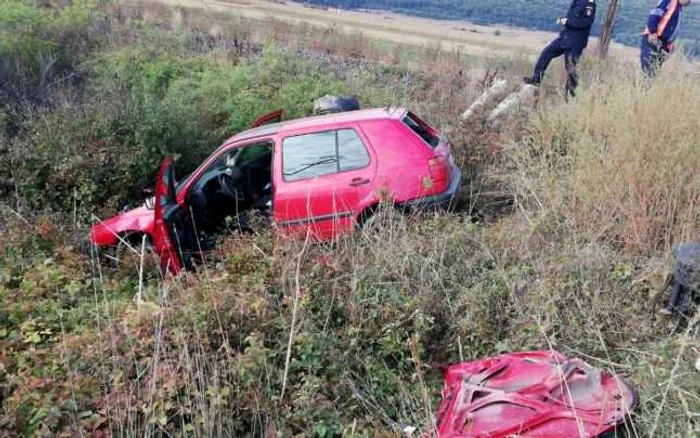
(378, 31)
(562, 239)
(535, 14)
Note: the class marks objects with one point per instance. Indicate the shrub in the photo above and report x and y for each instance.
(144, 103)
(40, 46)
(619, 163)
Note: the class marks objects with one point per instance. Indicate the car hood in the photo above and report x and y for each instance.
(534, 394)
(137, 220)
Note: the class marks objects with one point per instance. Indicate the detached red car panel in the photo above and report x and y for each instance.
(317, 174)
(538, 394)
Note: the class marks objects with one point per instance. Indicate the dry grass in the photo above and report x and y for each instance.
(450, 36)
(353, 332)
(360, 327)
(619, 163)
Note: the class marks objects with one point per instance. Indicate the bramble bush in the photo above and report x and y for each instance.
(40, 48)
(140, 103)
(377, 315)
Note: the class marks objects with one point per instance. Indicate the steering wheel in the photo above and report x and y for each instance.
(229, 187)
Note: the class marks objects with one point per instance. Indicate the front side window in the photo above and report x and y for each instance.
(322, 153)
(248, 154)
(239, 157)
(224, 161)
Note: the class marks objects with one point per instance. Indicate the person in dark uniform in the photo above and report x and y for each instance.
(662, 27)
(570, 43)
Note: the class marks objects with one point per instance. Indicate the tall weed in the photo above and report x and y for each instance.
(617, 164)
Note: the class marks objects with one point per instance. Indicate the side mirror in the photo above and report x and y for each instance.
(149, 198)
(151, 202)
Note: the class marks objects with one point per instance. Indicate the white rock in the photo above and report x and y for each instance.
(496, 90)
(409, 430)
(524, 98)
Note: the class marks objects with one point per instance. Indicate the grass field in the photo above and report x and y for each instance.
(449, 35)
(562, 240)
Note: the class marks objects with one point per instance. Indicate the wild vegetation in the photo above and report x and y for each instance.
(535, 14)
(562, 240)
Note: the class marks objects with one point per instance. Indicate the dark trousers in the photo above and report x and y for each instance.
(652, 57)
(571, 56)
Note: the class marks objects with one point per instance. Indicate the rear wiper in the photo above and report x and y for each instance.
(317, 163)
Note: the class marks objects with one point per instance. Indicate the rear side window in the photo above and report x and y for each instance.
(352, 153)
(322, 153)
(422, 129)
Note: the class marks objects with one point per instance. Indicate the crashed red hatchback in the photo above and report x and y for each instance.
(322, 175)
(533, 394)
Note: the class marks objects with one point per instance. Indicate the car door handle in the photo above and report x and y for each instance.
(356, 182)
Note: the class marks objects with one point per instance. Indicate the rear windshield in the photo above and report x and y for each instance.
(422, 129)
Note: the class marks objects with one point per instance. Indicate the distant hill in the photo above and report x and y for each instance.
(535, 14)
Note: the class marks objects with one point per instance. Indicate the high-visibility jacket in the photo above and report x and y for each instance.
(665, 21)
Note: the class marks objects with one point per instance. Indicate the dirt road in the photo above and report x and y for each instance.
(454, 36)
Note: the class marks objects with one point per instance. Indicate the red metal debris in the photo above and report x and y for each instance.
(534, 394)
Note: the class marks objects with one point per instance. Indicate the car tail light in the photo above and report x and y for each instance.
(439, 168)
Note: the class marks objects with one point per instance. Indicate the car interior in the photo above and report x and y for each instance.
(234, 185)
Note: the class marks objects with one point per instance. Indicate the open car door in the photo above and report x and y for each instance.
(273, 117)
(173, 236)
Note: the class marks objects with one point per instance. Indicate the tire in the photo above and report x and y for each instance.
(117, 253)
(382, 219)
(618, 432)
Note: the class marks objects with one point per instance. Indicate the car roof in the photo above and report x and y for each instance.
(318, 121)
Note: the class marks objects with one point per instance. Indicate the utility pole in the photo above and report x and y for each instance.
(607, 28)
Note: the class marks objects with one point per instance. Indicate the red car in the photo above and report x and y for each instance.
(322, 174)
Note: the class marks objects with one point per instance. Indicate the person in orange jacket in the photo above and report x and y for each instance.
(662, 28)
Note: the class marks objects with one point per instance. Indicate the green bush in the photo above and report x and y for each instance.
(144, 103)
(40, 46)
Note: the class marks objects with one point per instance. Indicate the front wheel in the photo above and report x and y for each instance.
(129, 247)
(619, 432)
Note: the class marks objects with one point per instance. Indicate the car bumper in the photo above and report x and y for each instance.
(441, 201)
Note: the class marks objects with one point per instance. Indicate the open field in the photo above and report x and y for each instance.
(449, 35)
